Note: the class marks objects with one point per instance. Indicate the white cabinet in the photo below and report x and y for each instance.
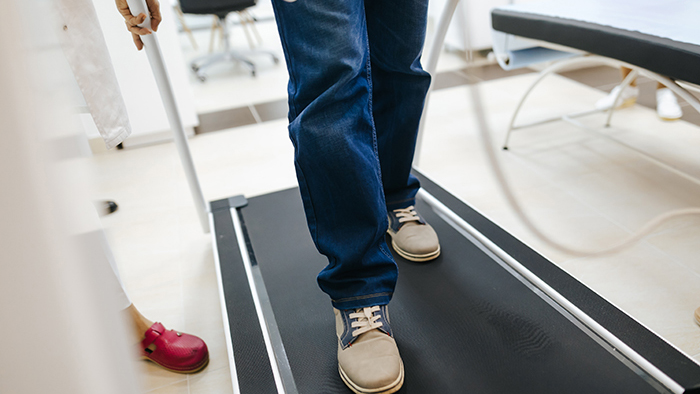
(472, 17)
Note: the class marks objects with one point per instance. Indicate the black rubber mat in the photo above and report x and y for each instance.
(463, 323)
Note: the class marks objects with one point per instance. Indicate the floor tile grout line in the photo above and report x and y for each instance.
(466, 74)
(182, 299)
(258, 119)
(255, 113)
(573, 196)
(670, 256)
(165, 385)
(605, 88)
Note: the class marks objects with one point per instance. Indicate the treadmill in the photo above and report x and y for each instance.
(490, 315)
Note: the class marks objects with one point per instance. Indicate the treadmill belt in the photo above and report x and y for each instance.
(463, 323)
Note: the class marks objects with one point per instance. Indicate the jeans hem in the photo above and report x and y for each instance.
(362, 301)
(390, 206)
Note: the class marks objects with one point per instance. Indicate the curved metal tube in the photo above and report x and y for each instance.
(544, 73)
(431, 66)
(594, 59)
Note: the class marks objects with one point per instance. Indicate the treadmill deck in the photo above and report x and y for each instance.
(463, 323)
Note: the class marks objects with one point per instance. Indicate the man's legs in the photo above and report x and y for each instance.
(331, 126)
(396, 32)
(396, 35)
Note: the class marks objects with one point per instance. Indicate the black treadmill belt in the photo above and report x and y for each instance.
(463, 324)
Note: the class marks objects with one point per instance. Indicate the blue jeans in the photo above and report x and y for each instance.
(356, 93)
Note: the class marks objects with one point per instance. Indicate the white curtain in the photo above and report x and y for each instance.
(86, 51)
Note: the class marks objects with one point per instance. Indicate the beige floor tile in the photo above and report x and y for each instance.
(670, 142)
(202, 307)
(154, 379)
(626, 179)
(211, 381)
(648, 285)
(680, 241)
(181, 387)
(562, 218)
(249, 160)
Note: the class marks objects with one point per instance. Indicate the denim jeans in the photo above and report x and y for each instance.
(356, 93)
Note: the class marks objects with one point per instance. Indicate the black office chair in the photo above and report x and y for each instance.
(221, 8)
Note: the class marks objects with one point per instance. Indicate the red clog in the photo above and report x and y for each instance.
(174, 351)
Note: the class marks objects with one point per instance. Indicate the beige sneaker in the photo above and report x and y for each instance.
(411, 237)
(697, 315)
(368, 359)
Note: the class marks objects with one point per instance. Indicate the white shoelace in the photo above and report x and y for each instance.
(366, 320)
(407, 214)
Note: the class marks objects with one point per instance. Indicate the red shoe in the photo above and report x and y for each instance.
(174, 351)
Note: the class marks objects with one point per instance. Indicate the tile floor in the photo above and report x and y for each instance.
(583, 188)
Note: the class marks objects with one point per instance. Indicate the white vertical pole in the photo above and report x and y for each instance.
(431, 66)
(160, 72)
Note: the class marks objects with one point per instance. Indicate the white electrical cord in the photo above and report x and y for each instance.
(507, 191)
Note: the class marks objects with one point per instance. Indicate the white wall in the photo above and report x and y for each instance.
(476, 17)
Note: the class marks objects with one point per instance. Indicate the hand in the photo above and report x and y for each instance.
(132, 22)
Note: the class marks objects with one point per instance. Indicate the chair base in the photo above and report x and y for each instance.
(200, 64)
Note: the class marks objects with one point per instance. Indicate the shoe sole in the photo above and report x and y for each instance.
(416, 257)
(195, 369)
(391, 388)
(669, 119)
(697, 316)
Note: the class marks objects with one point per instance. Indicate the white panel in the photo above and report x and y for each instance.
(61, 330)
